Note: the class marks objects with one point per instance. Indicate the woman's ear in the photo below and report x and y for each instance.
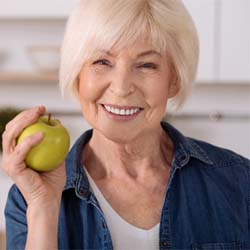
(173, 89)
(174, 85)
(77, 83)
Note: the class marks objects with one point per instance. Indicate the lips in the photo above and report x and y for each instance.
(122, 110)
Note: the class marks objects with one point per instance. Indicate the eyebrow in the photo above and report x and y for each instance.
(142, 54)
(149, 52)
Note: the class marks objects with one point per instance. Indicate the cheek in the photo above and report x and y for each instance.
(88, 89)
(88, 95)
(157, 94)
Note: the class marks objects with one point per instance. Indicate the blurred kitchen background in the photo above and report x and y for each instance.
(218, 111)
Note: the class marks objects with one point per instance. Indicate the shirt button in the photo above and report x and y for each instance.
(83, 192)
(164, 243)
(183, 158)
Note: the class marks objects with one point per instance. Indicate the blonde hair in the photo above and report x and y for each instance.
(101, 24)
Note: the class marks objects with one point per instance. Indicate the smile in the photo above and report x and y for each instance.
(123, 111)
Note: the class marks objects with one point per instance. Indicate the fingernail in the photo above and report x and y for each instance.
(40, 109)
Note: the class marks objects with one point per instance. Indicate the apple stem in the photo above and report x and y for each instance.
(49, 117)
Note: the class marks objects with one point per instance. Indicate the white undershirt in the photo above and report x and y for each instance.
(124, 235)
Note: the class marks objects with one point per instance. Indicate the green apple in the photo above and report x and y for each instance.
(53, 148)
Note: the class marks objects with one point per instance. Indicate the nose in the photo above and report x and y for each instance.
(122, 82)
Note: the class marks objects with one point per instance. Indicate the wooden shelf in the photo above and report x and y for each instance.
(28, 77)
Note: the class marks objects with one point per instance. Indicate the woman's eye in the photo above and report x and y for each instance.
(101, 62)
(149, 66)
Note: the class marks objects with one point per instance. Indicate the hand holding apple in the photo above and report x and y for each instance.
(53, 148)
(41, 190)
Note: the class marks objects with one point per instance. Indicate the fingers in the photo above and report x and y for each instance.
(13, 156)
(24, 147)
(36, 188)
(15, 127)
(14, 163)
(27, 114)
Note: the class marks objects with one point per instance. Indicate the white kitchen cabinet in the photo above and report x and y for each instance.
(234, 41)
(223, 28)
(203, 13)
(35, 9)
(232, 134)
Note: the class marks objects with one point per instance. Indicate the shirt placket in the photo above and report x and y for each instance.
(165, 229)
(166, 242)
(107, 242)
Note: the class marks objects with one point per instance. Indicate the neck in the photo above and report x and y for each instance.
(105, 158)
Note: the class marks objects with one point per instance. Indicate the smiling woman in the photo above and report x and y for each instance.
(132, 181)
(165, 25)
(121, 88)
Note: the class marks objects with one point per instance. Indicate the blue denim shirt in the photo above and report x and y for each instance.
(207, 203)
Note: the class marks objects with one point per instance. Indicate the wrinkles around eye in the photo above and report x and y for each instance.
(149, 66)
(102, 62)
(144, 66)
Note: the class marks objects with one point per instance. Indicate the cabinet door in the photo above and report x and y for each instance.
(35, 9)
(203, 14)
(217, 132)
(235, 41)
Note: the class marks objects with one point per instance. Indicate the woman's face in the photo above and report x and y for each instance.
(123, 94)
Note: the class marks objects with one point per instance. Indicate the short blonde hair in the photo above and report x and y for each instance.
(100, 24)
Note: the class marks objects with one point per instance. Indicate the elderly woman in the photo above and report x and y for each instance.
(132, 182)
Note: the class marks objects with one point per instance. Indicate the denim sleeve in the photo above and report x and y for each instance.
(15, 218)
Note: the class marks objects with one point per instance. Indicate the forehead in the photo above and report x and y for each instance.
(137, 47)
(136, 50)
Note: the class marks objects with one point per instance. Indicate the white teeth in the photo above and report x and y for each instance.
(117, 112)
(124, 112)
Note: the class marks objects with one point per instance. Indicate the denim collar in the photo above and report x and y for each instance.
(184, 147)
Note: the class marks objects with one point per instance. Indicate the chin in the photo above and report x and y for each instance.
(118, 135)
